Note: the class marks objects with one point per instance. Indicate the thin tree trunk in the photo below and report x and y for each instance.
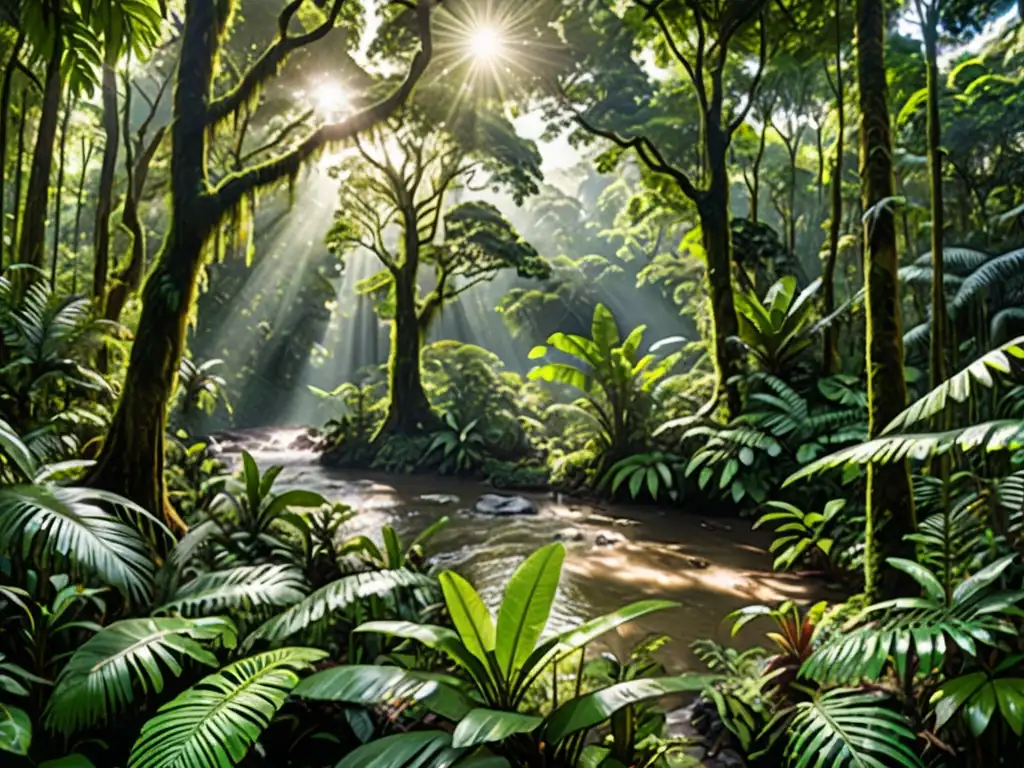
(58, 194)
(940, 318)
(755, 190)
(890, 501)
(33, 226)
(791, 201)
(105, 199)
(5, 114)
(79, 202)
(830, 353)
(19, 173)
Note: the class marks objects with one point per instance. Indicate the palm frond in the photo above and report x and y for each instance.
(991, 436)
(844, 727)
(240, 589)
(103, 676)
(335, 596)
(993, 275)
(218, 720)
(50, 521)
(959, 386)
(956, 261)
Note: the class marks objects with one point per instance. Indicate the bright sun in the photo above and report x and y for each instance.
(485, 43)
(330, 98)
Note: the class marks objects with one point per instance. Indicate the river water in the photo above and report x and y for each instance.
(709, 566)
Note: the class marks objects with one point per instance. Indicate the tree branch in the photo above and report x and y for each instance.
(232, 189)
(269, 63)
(647, 152)
(279, 137)
(755, 85)
(695, 73)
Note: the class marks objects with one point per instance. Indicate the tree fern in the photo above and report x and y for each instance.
(50, 522)
(103, 676)
(335, 596)
(218, 720)
(843, 727)
(239, 589)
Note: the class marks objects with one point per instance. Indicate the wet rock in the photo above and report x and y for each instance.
(438, 499)
(608, 538)
(698, 562)
(621, 522)
(569, 534)
(307, 441)
(496, 504)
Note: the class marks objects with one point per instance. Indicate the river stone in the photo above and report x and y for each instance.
(496, 504)
(438, 499)
(569, 534)
(608, 538)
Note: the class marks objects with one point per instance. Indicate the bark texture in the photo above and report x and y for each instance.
(890, 501)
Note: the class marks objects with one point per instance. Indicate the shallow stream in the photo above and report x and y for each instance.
(709, 566)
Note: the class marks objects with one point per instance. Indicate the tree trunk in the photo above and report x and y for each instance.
(79, 202)
(132, 458)
(409, 411)
(830, 352)
(713, 209)
(58, 195)
(791, 198)
(105, 199)
(5, 113)
(890, 501)
(33, 225)
(940, 318)
(755, 189)
(19, 173)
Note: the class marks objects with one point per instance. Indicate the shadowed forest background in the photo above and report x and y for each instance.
(356, 354)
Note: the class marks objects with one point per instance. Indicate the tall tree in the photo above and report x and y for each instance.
(403, 176)
(701, 40)
(131, 461)
(890, 500)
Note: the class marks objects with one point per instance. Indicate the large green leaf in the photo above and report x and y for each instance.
(217, 720)
(418, 749)
(103, 676)
(12, 446)
(594, 708)
(470, 616)
(526, 606)
(481, 726)
(333, 597)
(437, 638)
(46, 521)
(603, 329)
(15, 729)
(370, 684)
(850, 729)
(295, 498)
(239, 589)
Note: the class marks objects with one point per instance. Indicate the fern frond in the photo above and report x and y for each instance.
(239, 589)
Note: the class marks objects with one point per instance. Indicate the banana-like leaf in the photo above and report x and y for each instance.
(592, 709)
(482, 726)
(15, 729)
(437, 638)
(240, 589)
(417, 749)
(370, 684)
(526, 606)
(103, 677)
(472, 619)
(218, 720)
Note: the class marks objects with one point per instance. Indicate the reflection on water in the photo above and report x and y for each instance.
(710, 567)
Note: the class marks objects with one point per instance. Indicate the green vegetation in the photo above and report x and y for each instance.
(754, 260)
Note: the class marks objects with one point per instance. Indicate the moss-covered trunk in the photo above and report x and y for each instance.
(890, 501)
(5, 115)
(713, 209)
(105, 196)
(409, 411)
(830, 350)
(940, 319)
(58, 195)
(33, 222)
(132, 459)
